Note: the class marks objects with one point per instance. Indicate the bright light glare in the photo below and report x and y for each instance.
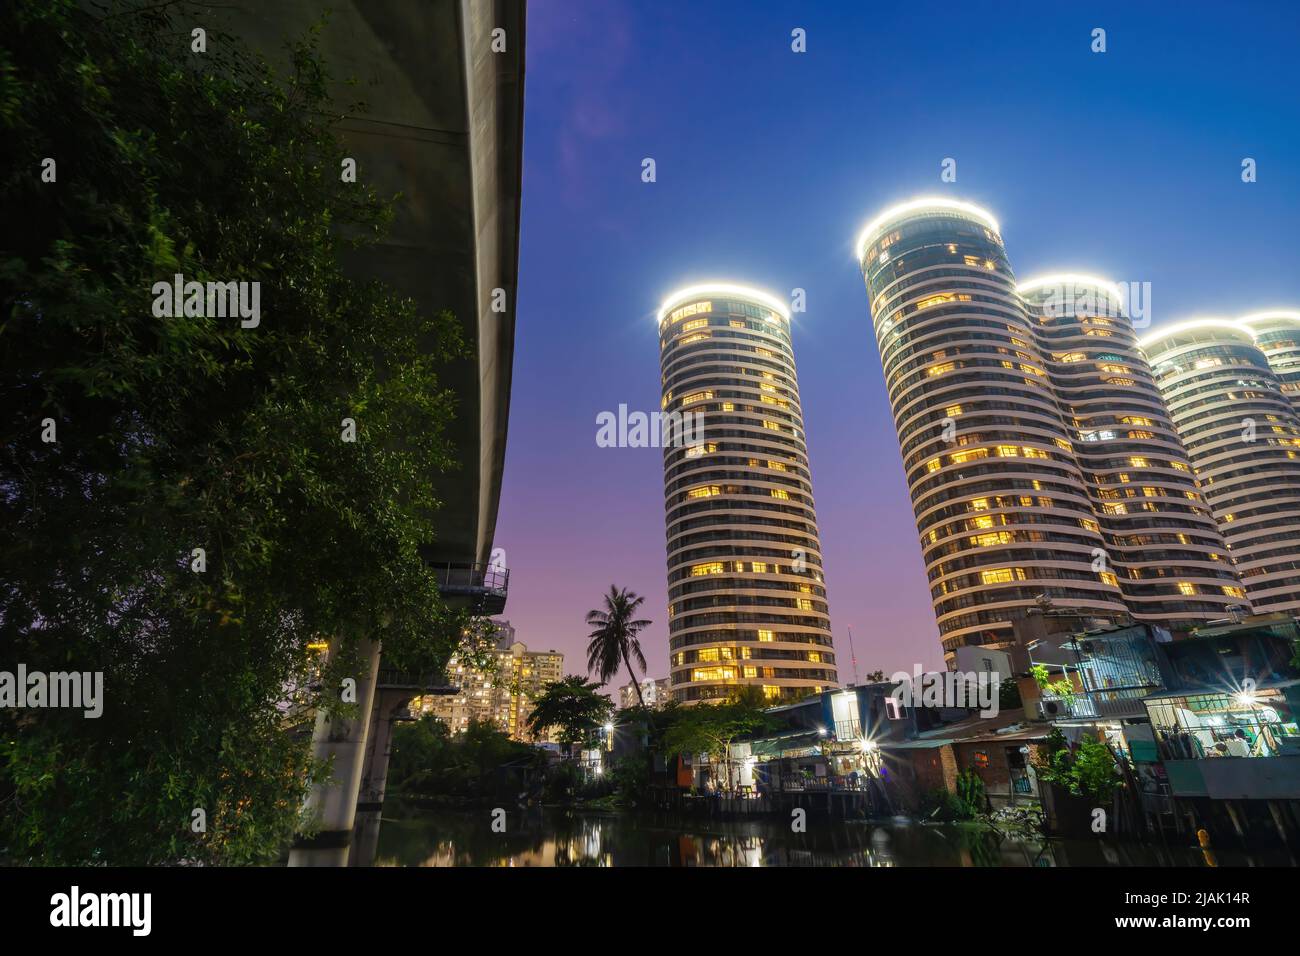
(1178, 328)
(916, 205)
(707, 289)
(1073, 279)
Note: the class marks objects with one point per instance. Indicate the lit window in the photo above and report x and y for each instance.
(713, 673)
(704, 491)
(766, 636)
(1186, 587)
(693, 309)
(713, 567)
(1002, 575)
(780, 493)
(696, 397)
(934, 300)
(695, 324)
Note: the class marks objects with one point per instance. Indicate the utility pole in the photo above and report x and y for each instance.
(853, 656)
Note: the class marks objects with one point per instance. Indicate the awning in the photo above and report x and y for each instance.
(777, 746)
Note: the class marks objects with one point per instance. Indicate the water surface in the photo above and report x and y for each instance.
(561, 837)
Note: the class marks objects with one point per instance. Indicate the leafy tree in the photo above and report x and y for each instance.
(1009, 694)
(1088, 769)
(573, 705)
(614, 638)
(194, 432)
(972, 793)
(712, 728)
(875, 677)
(427, 760)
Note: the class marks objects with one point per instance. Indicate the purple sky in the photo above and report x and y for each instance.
(1124, 164)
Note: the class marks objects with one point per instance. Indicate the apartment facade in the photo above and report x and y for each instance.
(1039, 457)
(655, 691)
(747, 595)
(1163, 545)
(1242, 433)
(502, 695)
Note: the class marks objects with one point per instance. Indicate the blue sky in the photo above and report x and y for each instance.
(1125, 164)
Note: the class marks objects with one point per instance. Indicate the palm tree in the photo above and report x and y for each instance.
(614, 640)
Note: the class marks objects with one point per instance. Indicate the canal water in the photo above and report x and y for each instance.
(559, 837)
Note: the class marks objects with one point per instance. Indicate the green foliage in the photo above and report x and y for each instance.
(574, 706)
(1087, 770)
(967, 801)
(943, 806)
(971, 792)
(185, 432)
(630, 778)
(712, 728)
(428, 761)
(1009, 695)
(1062, 688)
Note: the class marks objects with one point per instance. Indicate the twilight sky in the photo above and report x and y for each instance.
(1124, 164)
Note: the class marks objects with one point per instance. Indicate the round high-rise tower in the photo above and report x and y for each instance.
(747, 597)
(1277, 334)
(1001, 506)
(1162, 541)
(1243, 437)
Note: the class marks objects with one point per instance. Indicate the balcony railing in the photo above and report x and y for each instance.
(480, 587)
(848, 730)
(1111, 702)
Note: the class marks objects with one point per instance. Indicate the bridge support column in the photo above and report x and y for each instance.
(390, 704)
(334, 803)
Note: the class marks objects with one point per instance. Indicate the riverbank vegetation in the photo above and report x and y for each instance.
(192, 506)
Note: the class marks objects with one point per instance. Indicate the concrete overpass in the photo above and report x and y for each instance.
(445, 129)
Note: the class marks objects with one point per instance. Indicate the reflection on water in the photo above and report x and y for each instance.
(567, 838)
